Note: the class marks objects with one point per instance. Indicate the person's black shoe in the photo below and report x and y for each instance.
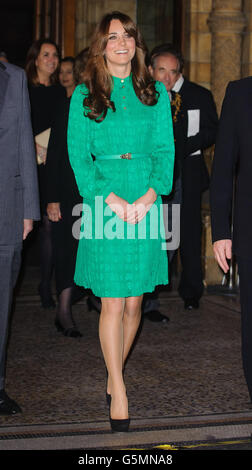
(156, 316)
(191, 303)
(72, 332)
(108, 398)
(7, 405)
(119, 425)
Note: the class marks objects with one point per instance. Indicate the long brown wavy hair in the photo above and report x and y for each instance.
(97, 77)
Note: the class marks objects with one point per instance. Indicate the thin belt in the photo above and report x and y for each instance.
(124, 156)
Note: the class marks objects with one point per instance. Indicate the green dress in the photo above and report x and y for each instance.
(117, 259)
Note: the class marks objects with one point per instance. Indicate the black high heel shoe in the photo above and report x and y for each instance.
(108, 398)
(108, 395)
(72, 332)
(118, 425)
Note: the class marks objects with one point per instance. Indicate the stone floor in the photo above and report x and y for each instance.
(184, 379)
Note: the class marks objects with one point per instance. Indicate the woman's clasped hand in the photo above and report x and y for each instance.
(131, 213)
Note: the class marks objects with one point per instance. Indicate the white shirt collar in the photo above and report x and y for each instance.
(178, 84)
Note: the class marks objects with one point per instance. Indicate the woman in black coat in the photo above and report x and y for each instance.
(62, 197)
(42, 66)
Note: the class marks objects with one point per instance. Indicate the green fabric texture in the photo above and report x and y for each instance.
(117, 259)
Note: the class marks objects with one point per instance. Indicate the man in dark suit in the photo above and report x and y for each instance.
(19, 204)
(201, 134)
(201, 127)
(231, 201)
(164, 69)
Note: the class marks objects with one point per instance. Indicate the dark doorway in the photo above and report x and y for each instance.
(16, 32)
(161, 21)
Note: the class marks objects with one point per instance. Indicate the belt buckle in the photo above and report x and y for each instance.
(126, 156)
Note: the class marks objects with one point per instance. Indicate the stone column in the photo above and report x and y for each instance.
(227, 23)
(247, 41)
(197, 41)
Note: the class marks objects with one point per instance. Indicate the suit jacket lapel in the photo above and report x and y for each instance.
(184, 87)
(4, 78)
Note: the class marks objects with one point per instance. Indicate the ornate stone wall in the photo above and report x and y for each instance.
(217, 48)
(227, 22)
(197, 41)
(246, 65)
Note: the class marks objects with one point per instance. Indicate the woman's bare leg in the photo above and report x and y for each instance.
(130, 322)
(111, 339)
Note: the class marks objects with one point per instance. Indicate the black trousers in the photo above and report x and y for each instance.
(150, 301)
(245, 277)
(191, 281)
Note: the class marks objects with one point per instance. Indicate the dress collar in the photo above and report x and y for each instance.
(122, 81)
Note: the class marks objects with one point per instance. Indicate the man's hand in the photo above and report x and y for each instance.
(223, 251)
(28, 226)
(53, 211)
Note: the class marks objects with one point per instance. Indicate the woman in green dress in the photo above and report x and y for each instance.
(121, 148)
